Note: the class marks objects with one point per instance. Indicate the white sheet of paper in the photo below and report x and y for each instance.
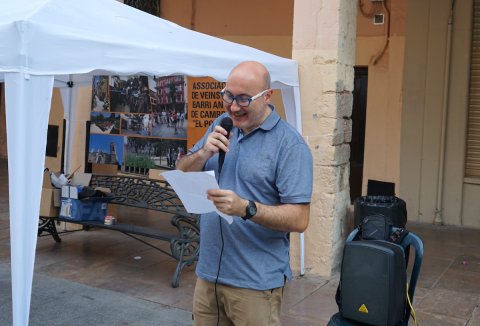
(191, 188)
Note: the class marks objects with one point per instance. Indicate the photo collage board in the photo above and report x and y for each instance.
(142, 122)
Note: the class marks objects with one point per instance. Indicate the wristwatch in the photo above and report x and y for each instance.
(250, 211)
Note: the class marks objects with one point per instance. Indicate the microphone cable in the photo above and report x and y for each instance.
(226, 124)
(218, 271)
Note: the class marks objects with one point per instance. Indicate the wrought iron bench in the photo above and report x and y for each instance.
(155, 195)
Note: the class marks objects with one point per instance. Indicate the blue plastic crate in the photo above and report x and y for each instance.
(83, 210)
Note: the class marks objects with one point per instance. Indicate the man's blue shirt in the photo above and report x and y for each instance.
(271, 165)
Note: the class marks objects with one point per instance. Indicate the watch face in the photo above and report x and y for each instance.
(251, 209)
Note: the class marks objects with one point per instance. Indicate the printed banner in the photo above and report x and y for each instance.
(204, 106)
(150, 122)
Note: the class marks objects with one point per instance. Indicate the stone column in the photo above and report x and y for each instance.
(324, 34)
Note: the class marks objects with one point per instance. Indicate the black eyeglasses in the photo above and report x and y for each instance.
(242, 100)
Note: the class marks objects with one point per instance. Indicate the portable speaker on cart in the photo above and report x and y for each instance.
(373, 282)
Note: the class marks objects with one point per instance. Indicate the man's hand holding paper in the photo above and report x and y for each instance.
(192, 187)
(227, 201)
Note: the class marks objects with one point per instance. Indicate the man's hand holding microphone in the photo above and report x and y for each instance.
(226, 201)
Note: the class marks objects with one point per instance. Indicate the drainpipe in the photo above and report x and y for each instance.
(441, 157)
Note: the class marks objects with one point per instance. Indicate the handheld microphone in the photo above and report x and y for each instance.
(226, 124)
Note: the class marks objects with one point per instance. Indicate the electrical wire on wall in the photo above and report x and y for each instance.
(387, 39)
(375, 8)
(194, 13)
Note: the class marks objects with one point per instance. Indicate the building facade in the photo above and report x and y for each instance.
(389, 93)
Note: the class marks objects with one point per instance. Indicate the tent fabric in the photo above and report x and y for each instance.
(46, 43)
(107, 36)
(27, 132)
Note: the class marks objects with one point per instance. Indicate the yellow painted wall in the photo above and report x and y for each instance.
(406, 96)
(425, 186)
(265, 25)
(84, 104)
(228, 17)
(470, 207)
(384, 97)
(56, 118)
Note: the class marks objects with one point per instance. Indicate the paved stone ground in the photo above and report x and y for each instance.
(56, 301)
(102, 277)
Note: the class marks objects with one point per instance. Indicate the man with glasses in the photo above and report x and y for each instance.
(266, 183)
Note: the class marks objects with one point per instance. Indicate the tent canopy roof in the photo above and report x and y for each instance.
(59, 37)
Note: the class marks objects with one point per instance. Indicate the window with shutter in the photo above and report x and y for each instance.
(472, 168)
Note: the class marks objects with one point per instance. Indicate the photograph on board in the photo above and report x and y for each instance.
(129, 94)
(146, 153)
(106, 149)
(104, 123)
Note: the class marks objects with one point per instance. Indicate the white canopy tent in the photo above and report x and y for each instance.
(46, 43)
